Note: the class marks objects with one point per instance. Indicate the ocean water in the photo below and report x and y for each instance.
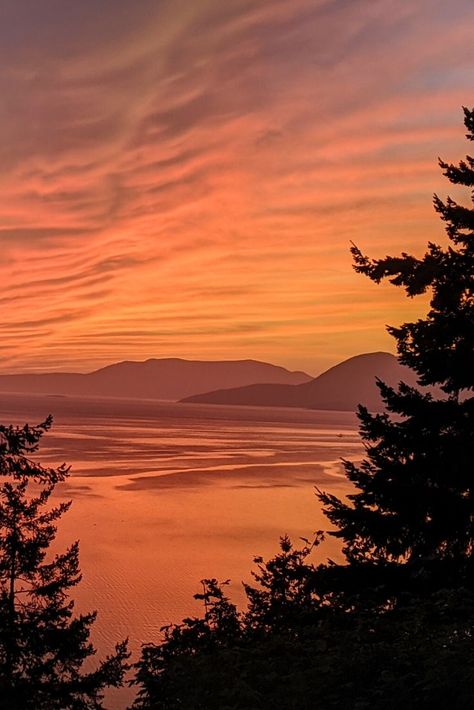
(166, 494)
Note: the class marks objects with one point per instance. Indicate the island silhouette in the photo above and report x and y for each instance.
(166, 378)
(227, 382)
(341, 387)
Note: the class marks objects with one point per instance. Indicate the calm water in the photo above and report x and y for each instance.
(166, 494)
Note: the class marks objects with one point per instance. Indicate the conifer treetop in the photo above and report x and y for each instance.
(440, 348)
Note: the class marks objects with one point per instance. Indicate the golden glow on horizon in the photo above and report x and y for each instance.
(186, 182)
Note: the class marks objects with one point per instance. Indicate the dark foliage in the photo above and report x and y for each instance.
(42, 643)
(416, 656)
(392, 627)
(284, 598)
(410, 523)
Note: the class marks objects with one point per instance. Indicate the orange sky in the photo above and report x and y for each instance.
(184, 178)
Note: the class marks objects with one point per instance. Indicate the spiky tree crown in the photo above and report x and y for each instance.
(414, 505)
(42, 643)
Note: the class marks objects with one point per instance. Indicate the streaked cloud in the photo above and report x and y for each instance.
(185, 178)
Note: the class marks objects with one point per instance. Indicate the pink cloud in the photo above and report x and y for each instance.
(186, 182)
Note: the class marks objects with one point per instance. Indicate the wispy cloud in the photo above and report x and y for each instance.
(184, 178)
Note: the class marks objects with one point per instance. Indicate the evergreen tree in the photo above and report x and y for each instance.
(42, 644)
(187, 648)
(291, 650)
(410, 523)
(284, 598)
(393, 626)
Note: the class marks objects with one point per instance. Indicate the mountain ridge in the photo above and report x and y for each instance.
(341, 387)
(155, 378)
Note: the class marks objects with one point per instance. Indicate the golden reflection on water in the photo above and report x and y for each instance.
(166, 494)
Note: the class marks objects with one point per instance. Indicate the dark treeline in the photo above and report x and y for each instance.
(391, 627)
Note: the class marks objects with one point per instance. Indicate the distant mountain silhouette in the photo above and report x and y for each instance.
(342, 387)
(168, 378)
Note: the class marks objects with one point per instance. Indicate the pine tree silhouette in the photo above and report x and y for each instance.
(42, 644)
(410, 523)
(392, 627)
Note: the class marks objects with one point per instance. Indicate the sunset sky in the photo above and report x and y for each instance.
(184, 178)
